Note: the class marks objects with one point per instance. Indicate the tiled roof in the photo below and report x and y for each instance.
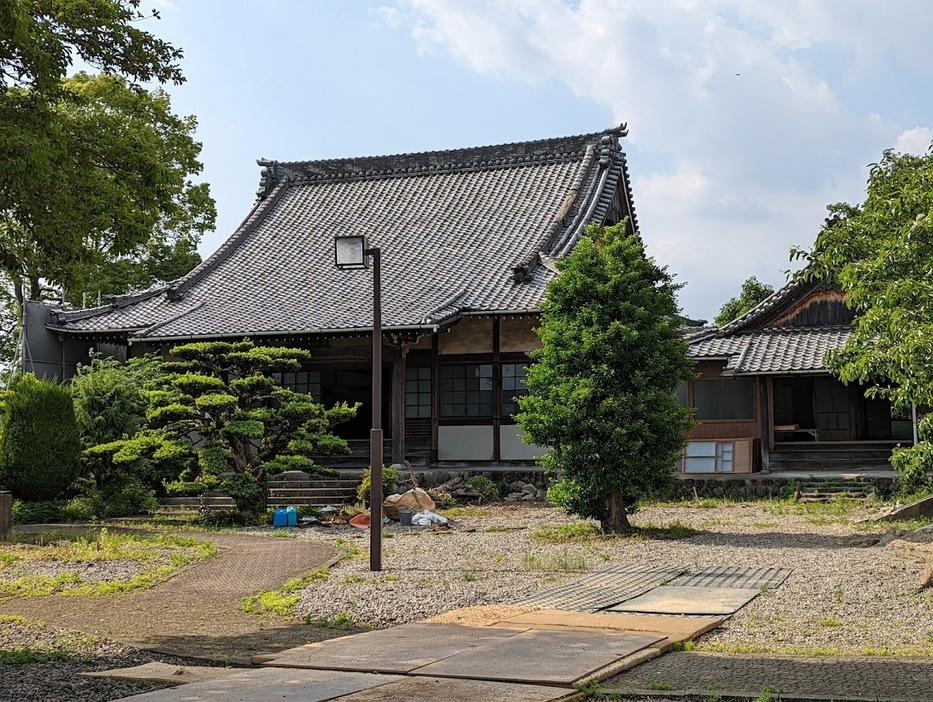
(462, 231)
(773, 350)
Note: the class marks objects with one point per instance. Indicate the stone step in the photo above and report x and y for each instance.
(335, 484)
(320, 501)
(310, 492)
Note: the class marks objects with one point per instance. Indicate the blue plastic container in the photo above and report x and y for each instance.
(291, 516)
(280, 517)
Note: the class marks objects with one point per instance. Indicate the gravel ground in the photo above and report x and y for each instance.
(89, 571)
(71, 652)
(855, 588)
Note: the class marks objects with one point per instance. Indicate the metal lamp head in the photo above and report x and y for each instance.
(350, 252)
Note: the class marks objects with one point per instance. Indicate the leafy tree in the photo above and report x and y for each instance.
(40, 444)
(246, 426)
(880, 253)
(753, 292)
(40, 39)
(108, 177)
(91, 169)
(603, 387)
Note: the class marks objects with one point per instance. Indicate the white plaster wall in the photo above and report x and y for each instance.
(512, 448)
(466, 443)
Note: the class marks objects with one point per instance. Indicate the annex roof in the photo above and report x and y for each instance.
(778, 335)
(463, 231)
(773, 351)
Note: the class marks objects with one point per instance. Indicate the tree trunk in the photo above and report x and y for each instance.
(617, 521)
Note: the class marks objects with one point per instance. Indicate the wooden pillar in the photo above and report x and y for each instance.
(497, 392)
(400, 351)
(6, 514)
(764, 421)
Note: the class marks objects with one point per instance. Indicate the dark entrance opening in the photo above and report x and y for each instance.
(351, 384)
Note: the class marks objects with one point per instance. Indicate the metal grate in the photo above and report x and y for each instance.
(602, 589)
(733, 577)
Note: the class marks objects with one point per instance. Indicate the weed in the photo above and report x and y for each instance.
(684, 646)
(767, 694)
(23, 656)
(830, 622)
(712, 694)
(341, 620)
(284, 534)
(496, 529)
(469, 575)
(658, 686)
(839, 595)
(283, 601)
(592, 691)
(349, 551)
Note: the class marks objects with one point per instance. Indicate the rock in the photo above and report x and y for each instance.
(528, 498)
(529, 489)
(514, 496)
(541, 494)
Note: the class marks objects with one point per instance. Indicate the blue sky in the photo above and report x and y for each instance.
(746, 118)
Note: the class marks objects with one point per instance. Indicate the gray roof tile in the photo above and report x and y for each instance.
(774, 350)
(460, 231)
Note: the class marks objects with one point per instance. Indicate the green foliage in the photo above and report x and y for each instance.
(223, 392)
(879, 253)
(125, 496)
(40, 443)
(224, 518)
(488, 490)
(38, 512)
(39, 41)
(94, 177)
(108, 397)
(753, 292)
(603, 385)
(390, 477)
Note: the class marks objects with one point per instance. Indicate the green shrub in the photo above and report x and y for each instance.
(245, 489)
(487, 489)
(40, 446)
(108, 397)
(41, 512)
(125, 498)
(230, 518)
(390, 477)
(185, 488)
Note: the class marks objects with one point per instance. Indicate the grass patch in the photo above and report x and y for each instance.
(568, 533)
(555, 563)
(658, 686)
(674, 530)
(159, 555)
(282, 601)
(23, 656)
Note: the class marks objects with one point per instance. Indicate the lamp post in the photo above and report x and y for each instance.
(351, 253)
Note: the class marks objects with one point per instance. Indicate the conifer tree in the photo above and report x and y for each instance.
(603, 386)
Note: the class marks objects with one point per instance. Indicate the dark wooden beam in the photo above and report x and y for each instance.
(398, 402)
(764, 420)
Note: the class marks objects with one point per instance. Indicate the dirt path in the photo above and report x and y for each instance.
(198, 612)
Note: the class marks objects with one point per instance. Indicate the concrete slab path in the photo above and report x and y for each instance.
(267, 684)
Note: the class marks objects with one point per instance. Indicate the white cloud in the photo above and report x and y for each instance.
(914, 141)
(760, 134)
